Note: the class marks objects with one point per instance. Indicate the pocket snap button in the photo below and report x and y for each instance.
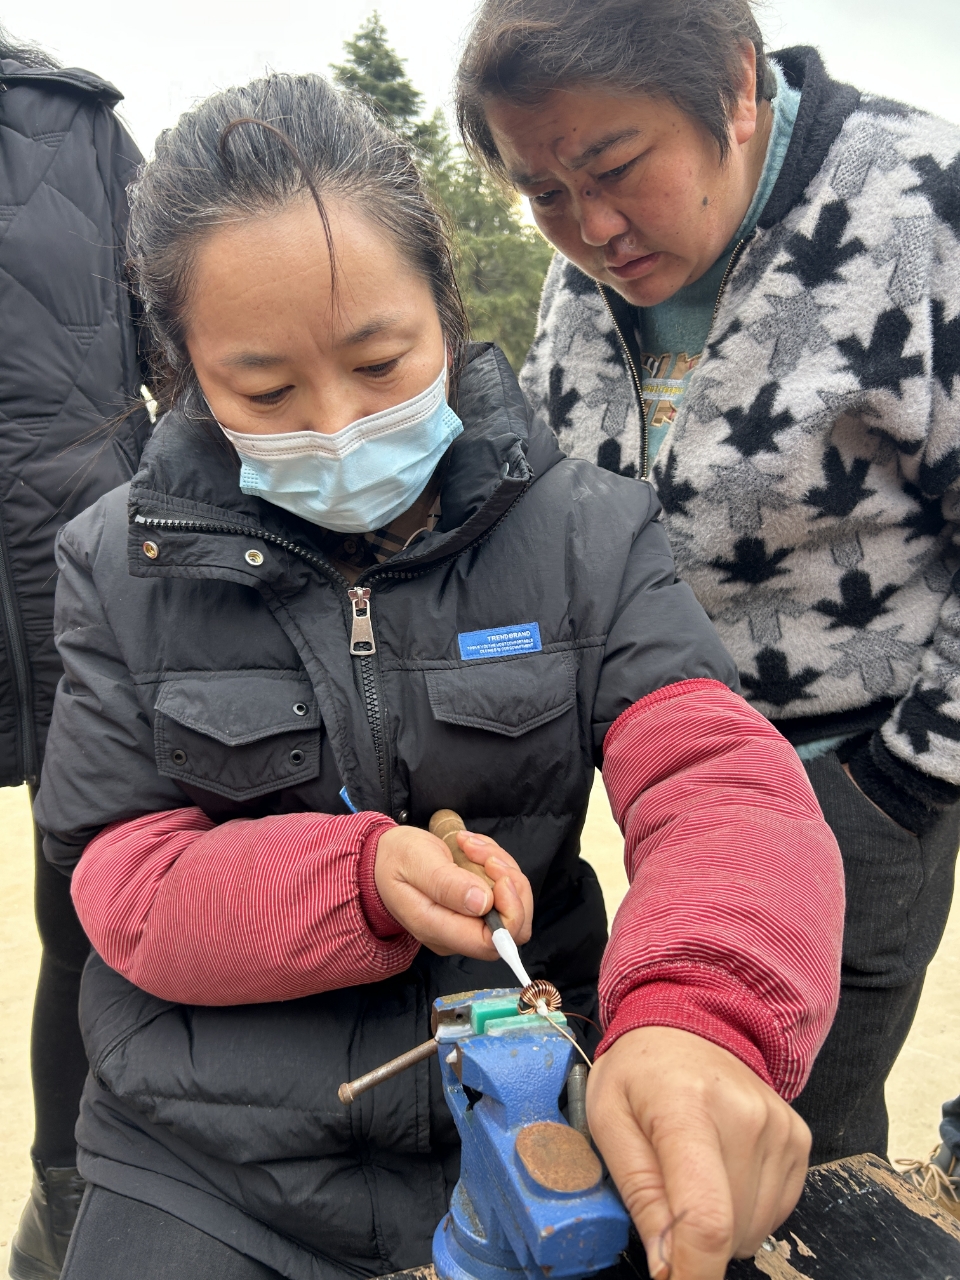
(403, 817)
(300, 708)
(254, 557)
(297, 756)
(178, 756)
(151, 549)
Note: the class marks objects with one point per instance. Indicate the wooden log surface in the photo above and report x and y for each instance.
(857, 1220)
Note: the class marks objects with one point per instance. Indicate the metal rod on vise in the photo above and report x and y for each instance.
(446, 824)
(353, 1088)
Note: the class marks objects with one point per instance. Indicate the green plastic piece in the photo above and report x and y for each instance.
(499, 1007)
(524, 1022)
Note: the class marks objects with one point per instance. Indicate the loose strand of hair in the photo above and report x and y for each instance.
(286, 142)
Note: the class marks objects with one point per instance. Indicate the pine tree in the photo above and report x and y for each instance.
(374, 70)
(501, 261)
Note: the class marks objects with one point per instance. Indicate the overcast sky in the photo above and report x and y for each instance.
(165, 56)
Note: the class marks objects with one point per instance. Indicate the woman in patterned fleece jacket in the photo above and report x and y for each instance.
(755, 307)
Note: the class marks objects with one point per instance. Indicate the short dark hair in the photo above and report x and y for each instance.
(256, 149)
(687, 51)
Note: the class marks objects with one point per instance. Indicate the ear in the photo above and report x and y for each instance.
(743, 121)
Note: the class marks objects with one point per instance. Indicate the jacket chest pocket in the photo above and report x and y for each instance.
(510, 698)
(240, 734)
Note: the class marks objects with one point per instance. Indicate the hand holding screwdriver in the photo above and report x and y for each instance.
(434, 898)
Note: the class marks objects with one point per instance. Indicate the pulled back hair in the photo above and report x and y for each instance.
(686, 51)
(252, 151)
(28, 55)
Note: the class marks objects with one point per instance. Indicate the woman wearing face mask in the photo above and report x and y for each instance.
(352, 584)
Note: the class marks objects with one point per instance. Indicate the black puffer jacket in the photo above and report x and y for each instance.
(68, 362)
(185, 663)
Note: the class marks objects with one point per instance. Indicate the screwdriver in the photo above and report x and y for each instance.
(446, 824)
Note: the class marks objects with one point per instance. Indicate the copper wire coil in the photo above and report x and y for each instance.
(539, 990)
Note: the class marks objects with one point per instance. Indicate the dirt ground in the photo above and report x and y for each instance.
(927, 1072)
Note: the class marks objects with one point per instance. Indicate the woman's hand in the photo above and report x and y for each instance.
(441, 904)
(708, 1159)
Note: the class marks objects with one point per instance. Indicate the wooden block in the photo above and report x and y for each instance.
(859, 1220)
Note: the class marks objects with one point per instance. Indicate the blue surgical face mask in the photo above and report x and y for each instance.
(359, 478)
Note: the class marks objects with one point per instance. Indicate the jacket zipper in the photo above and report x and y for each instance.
(19, 670)
(637, 383)
(362, 641)
(734, 259)
(363, 644)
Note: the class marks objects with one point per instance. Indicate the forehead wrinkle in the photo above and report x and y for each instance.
(581, 160)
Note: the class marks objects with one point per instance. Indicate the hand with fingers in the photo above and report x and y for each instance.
(709, 1160)
(441, 904)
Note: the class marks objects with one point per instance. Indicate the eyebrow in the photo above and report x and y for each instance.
(260, 360)
(583, 159)
(369, 330)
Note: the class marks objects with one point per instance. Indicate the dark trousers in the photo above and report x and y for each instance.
(120, 1239)
(899, 889)
(58, 1063)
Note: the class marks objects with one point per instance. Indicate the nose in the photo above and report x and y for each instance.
(599, 221)
(331, 405)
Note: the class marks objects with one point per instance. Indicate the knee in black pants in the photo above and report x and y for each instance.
(117, 1238)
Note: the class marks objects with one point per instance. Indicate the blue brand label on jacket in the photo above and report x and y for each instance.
(499, 642)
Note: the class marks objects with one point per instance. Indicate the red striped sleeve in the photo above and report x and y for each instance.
(733, 922)
(244, 912)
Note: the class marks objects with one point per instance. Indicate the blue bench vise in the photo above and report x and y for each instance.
(531, 1200)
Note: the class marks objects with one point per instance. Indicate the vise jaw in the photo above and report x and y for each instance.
(531, 1200)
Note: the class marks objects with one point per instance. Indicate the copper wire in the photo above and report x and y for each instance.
(536, 991)
(583, 1018)
(665, 1269)
(541, 996)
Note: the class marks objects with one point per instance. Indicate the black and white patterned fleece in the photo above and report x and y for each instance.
(811, 479)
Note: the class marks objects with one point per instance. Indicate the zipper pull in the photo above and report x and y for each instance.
(362, 643)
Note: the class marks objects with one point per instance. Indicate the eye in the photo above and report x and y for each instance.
(544, 199)
(270, 397)
(620, 170)
(379, 370)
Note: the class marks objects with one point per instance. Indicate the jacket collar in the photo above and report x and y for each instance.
(189, 472)
(56, 77)
(825, 105)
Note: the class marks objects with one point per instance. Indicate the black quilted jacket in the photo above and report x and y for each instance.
(214, 668)
(68, 362)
